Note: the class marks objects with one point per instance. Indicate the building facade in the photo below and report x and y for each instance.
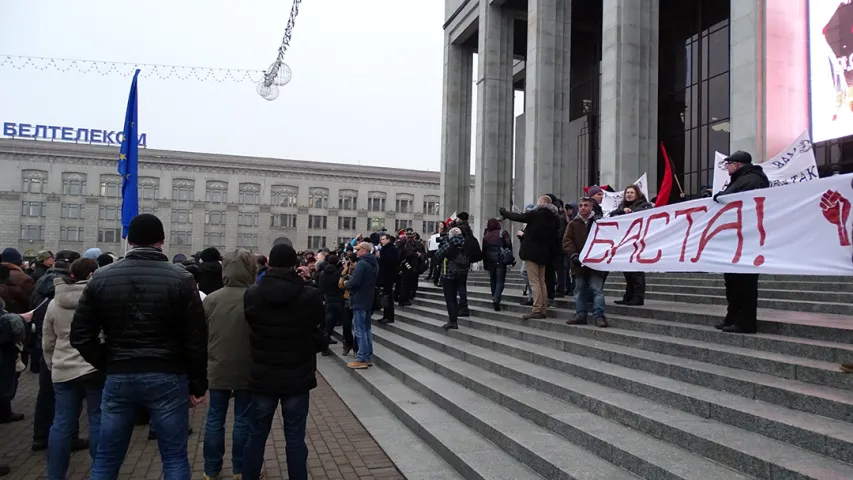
(67, 196)
(606, 82)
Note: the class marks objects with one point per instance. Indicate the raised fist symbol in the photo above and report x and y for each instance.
(836, 210)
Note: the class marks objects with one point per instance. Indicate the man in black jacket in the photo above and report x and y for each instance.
(389, 267)
(741, 288)
(327, 282)
(283, 314)
(537, 249)
(154, 348)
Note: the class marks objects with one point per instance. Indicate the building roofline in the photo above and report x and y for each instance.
(104, 152)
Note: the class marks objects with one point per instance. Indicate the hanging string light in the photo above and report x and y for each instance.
(148, 70)
(279, 73)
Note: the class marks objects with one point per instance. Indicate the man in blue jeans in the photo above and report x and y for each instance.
(154, 349)
(362, 287)
(588, 282)
(228, 361)
(284, 315)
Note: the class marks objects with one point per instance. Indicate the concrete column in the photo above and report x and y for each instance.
(493, 182)
(547, 155)
(456, 128)
(747, 20)
(768, 75)
(629, 91)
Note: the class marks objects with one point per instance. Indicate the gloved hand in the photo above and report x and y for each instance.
(576, 261)
(717, 197)
(502, 211)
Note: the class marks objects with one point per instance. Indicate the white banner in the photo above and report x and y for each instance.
(793, 165)
(612, 200)
(799, 229)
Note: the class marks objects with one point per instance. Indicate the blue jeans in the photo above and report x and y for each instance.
(166, 398)
(361, 325)
(69, 400)
(214, 430)
(586, 285)
(294, 412)
(497, 278)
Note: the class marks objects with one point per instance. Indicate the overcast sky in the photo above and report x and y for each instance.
(366, 82)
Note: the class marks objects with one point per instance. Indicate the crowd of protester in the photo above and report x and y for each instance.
(142, 340)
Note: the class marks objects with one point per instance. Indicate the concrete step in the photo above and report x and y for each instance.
(490, 373)
(792, 367)
(468, 452)
(814, 432)
(515, 274)
(829, 296)
(840, 285)
(412, 456)
(537, 448)
(623, 446)
(793, 300)
(824, 327)
(817, 399)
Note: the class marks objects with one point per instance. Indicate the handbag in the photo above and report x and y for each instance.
(505, 255)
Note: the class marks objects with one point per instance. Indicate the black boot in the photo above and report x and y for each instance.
(496, 304)
(450, 326)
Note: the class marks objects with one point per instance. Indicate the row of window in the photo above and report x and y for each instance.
(213, 239)
(244, 219)
(35, 181)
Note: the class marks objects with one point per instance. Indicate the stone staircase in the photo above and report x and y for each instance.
(660, 394)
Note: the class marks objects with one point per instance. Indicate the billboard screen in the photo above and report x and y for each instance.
(831, 68)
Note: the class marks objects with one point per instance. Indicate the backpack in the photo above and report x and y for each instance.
(473, 250)
(505, 255)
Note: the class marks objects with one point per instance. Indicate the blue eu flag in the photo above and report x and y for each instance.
(128, 162)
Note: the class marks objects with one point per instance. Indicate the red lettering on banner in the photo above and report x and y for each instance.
(689, 212)
(737, 226)
(595, 240)
(625, 240)
(642, 241)
(762, 234)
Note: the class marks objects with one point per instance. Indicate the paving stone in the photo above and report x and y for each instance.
(327, 412)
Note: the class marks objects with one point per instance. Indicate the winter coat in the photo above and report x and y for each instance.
(151, 315)
(389, 264)
(362, 283)
(12, 330)
(493, 242)
(39, 271)
(748, 177)
(637, 205)
(44, 289)
(327, 282)
(452, 259)
(283, 313)
(540, 243)
(228, 355)
(210, 278)
(575, 238)
(17, 297)
(63, 360)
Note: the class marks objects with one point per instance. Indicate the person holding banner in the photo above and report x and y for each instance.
(538, 249)
(633, 200)
(588, 282)
(741, 288)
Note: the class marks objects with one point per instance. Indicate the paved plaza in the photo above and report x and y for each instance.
(339, 446)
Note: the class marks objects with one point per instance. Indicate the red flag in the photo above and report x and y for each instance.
(666, 186)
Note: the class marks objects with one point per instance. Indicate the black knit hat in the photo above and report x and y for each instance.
(462, 216)
(210, 254)
(145, 230)
(740, 156)
(283, 256)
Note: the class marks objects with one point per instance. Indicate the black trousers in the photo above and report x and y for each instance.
(408, 282)
(346, 322)
(742, 296)
(635, 286)
(388, 293)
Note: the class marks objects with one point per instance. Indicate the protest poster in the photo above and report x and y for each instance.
(798, 229)
(793, 165)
